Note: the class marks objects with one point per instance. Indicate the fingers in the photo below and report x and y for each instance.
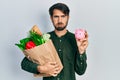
(52, 63)
(56, 71)
(56, 68)
(52, 68)
(82, 40)
(55, 65)
(85, 44)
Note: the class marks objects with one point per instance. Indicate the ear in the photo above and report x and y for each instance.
(68, 17)
(51, 18)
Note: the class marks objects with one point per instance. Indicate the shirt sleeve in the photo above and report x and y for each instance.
(29, 66)
(80, 63)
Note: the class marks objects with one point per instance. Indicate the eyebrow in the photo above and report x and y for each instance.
(58, 16)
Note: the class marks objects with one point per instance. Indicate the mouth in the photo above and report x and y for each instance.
(60, 24)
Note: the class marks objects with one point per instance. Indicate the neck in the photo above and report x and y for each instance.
(61, 33)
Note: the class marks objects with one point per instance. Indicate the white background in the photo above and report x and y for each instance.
(101, 18)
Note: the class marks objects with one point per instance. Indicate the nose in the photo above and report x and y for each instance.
(59, 19)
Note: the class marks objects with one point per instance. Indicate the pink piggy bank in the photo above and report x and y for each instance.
(79, 33)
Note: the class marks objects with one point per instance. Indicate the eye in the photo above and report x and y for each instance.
(63, 16)
(55, 16)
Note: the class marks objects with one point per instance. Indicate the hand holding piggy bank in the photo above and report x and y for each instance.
(80, 34)
(81, 39)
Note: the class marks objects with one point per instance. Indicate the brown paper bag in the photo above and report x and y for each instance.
(42, 54)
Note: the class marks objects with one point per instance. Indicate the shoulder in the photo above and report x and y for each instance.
(51, 32)
(71, 39)
(71, 35)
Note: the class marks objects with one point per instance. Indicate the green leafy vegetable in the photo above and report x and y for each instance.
(36, 38)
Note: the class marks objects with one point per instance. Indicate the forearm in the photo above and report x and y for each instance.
(29, 66)
(80, 63)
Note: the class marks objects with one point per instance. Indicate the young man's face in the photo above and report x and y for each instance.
(59, 19)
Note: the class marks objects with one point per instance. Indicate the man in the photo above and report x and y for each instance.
(71, 51)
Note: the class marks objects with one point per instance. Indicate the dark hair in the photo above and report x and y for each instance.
(60, 6)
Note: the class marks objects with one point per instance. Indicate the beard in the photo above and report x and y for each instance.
(59, 28)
